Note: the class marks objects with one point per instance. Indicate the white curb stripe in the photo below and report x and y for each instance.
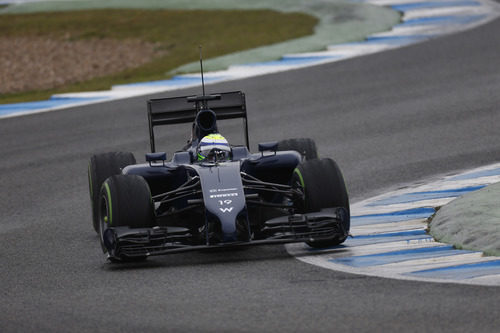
(401, 249)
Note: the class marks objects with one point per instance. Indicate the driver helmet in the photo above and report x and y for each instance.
(213, 147)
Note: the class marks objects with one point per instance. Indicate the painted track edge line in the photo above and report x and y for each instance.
(419, 264)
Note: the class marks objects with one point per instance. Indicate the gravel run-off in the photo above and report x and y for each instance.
(40, 63)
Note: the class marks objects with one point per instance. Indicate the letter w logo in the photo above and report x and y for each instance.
(226, 210)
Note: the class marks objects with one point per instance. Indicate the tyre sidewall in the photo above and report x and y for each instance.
(323, 186)
(102, 166)
(306, 147)
(129, 202)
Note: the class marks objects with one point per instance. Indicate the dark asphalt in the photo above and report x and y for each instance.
(388, 119)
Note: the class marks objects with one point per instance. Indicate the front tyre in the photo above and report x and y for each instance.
(125, 200)
(102, 166)
(323, 186)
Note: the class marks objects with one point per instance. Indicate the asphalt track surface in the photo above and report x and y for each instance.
(388, 119)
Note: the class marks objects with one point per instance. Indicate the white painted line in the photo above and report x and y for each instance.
(374, 229)
(487, 280)
(438, 262)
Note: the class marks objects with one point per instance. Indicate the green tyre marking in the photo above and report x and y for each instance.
(110, 208)
(297, 171)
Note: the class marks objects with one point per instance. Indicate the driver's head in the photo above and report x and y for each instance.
(213, 147)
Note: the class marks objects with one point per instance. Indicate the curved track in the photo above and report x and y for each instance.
(388, 119)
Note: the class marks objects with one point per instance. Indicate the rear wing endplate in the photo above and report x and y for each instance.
(178, 110)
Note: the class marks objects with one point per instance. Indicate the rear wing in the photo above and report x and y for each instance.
(178, 110)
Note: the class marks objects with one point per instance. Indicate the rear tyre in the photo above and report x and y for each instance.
(305, 146)
(323, 186)
(102, 166)
(125, 200)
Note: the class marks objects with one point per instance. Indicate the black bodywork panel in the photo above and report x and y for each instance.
(179, 110)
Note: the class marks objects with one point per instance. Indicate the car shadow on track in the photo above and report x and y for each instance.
(206, 257)
(218, 256)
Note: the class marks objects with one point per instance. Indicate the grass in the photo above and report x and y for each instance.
(179, 32)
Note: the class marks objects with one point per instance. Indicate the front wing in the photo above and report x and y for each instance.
(125, 242)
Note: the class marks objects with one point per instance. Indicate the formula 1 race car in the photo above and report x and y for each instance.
(211, 194)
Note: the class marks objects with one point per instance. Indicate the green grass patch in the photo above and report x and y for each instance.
(178, 32)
